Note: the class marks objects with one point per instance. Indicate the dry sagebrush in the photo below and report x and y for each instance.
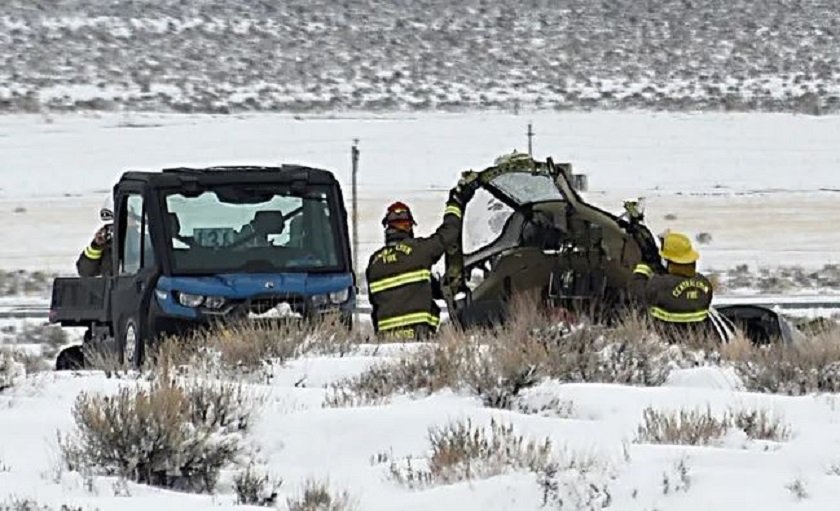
(812, 365)
(317, 496)
(22, 504)
(250, 348)
(12, 371)
(702, 427)
(172, 435)
(498, 364)
(255, 488)
(462, 451)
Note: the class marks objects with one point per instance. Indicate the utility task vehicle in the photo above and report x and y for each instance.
(572, 255)
(195, 246)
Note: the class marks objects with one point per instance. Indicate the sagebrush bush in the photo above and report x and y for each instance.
(498, 364)
(702, 427)
(682, 427)
(252, 347)
(20, 504)
(759, 424)
(317, 496)
(629, 352)
(461, 451)
(171, 435)
(430, 368)
(677, 479)
(255, 488)
(51, 338)
(811, 365)
(11, 370)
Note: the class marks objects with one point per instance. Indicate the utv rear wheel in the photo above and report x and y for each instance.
(71, 358)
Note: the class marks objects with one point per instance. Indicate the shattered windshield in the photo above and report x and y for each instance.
(247, 229)
(525, 187)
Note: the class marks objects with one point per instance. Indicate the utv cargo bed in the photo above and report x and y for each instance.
(79, 301)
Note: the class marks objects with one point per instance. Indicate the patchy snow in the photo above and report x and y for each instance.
(296, 439)
(392, 55)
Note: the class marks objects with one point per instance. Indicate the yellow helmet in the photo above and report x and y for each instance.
(676, 247)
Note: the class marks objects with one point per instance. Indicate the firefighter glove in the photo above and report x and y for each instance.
(466, 188)
(102, 237)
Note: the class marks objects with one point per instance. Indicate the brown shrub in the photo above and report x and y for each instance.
(497, 364)
(683, 427)
(19, 504)
(430, 368)
(251, 347)
(629, 352)
(461, 451)
(254, 488)
(12, 370)
(812, 365)
(171, 435)
(317, 496)
(696, 427)
(759, 425)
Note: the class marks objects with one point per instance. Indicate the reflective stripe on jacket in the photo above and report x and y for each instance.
(400, 279)
(94, 262)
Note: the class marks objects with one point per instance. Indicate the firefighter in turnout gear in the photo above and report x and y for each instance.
(678, 300)
(95, 259)
(400, 282)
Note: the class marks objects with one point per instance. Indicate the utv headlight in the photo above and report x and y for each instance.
(214, 302)
(190, 300)
(320, 300)
(339, 297)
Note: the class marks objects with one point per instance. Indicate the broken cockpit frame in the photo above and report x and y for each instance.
(554, 244)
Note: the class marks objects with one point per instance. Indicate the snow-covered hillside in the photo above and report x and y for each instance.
(301, 55)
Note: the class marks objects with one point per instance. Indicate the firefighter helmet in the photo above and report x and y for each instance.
(676, 247)
(398, 216)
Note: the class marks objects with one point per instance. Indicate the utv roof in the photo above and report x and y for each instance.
(180, 176)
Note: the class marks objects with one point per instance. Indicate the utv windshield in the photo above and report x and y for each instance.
(526, 187)
(249, 229)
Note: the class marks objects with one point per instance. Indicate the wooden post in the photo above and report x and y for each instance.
(354, 212)
(530, 134)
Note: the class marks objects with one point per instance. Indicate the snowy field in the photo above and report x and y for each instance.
(296, 438)
(763, 185)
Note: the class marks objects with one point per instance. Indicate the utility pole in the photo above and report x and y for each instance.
(354, 192)
(530, 135)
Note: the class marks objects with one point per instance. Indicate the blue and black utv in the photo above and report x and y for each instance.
(192, 247)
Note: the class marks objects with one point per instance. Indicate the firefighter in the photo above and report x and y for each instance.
(95, 259)
(400, 282)
(678, 300)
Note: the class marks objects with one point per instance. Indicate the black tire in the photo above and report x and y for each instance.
(70, 359)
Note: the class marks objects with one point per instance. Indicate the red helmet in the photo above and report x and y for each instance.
(398, 216)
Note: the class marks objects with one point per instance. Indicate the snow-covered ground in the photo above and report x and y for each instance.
(762, 185)
(297, 439)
